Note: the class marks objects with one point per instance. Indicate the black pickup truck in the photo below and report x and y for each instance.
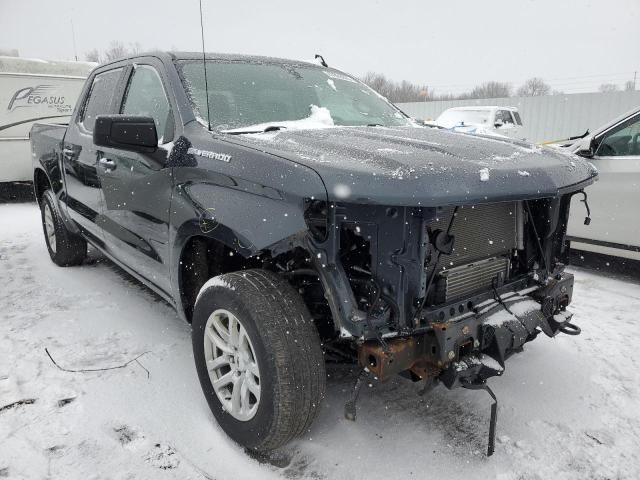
(292, 214)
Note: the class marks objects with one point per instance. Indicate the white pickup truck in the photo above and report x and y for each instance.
(489, 120)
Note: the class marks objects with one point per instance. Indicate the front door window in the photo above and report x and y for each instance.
(146, 97)
(622, 141)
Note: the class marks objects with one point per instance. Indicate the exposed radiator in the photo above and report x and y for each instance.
(481, 231)
(484, 235)
(473, 277)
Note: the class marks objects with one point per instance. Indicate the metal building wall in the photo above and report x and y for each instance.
(545, 118)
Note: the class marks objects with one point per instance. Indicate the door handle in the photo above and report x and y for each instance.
(107, 164)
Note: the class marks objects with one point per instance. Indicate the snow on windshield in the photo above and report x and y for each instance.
(319, 117)
(241, 94)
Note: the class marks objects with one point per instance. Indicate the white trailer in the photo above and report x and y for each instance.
(33, 91)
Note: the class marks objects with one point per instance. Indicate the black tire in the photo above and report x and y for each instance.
(65, 247)
(287, 350)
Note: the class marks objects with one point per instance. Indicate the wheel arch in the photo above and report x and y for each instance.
(233, 235)
(199, 257)
(41, 183)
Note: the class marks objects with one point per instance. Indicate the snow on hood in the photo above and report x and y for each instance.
(477, 130)
(424, 166)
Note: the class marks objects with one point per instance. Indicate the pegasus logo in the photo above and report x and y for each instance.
(38, 95)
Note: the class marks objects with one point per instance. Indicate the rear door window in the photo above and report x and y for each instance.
(100, 97)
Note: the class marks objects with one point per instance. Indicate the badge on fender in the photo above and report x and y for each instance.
(223, 157)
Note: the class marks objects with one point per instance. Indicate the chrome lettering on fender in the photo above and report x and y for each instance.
(223, 157)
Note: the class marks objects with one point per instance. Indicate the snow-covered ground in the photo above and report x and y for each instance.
(569, 407)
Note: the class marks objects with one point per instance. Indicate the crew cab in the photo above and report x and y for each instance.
(291, 214)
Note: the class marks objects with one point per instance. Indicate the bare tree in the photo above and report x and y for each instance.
(92, 56)
(116, 50)
(491, 89)
(406, 91)
(403, 91)
(629, 86)
(379, 83)
(608, 87)
(534, 87)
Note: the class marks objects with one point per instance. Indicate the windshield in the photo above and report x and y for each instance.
(454, 118)
(243, 94)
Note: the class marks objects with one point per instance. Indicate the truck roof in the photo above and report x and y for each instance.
(229, 57)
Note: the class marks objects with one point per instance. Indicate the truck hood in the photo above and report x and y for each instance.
(409, 166)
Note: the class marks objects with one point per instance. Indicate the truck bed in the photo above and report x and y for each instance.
(46, 144)
(46, 138)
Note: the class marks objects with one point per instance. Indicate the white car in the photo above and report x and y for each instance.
(489, 120)
(615, 198)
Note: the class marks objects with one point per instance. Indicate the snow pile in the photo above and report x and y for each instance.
(523, 307)
(518, 308)
(485, 131)
(499, 317)
(491, 363)
(320, 117)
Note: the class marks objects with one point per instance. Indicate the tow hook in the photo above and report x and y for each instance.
(561, 322)
(569, 329)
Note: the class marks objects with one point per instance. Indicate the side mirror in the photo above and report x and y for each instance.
(586, 147)
(126, 132)
(498, 123)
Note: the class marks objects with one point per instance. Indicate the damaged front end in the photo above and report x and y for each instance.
(443, 294)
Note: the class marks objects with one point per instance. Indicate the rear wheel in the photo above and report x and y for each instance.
(258, 358)
(65, 247)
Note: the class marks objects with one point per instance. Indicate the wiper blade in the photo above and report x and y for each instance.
(580, 136)
(248, 130)
(375, 125)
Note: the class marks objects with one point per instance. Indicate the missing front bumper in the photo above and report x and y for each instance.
(497, 329)
(466, 352)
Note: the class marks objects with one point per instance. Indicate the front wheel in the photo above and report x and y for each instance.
(258, 358)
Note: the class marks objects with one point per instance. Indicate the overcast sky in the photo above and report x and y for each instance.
(450, 45)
